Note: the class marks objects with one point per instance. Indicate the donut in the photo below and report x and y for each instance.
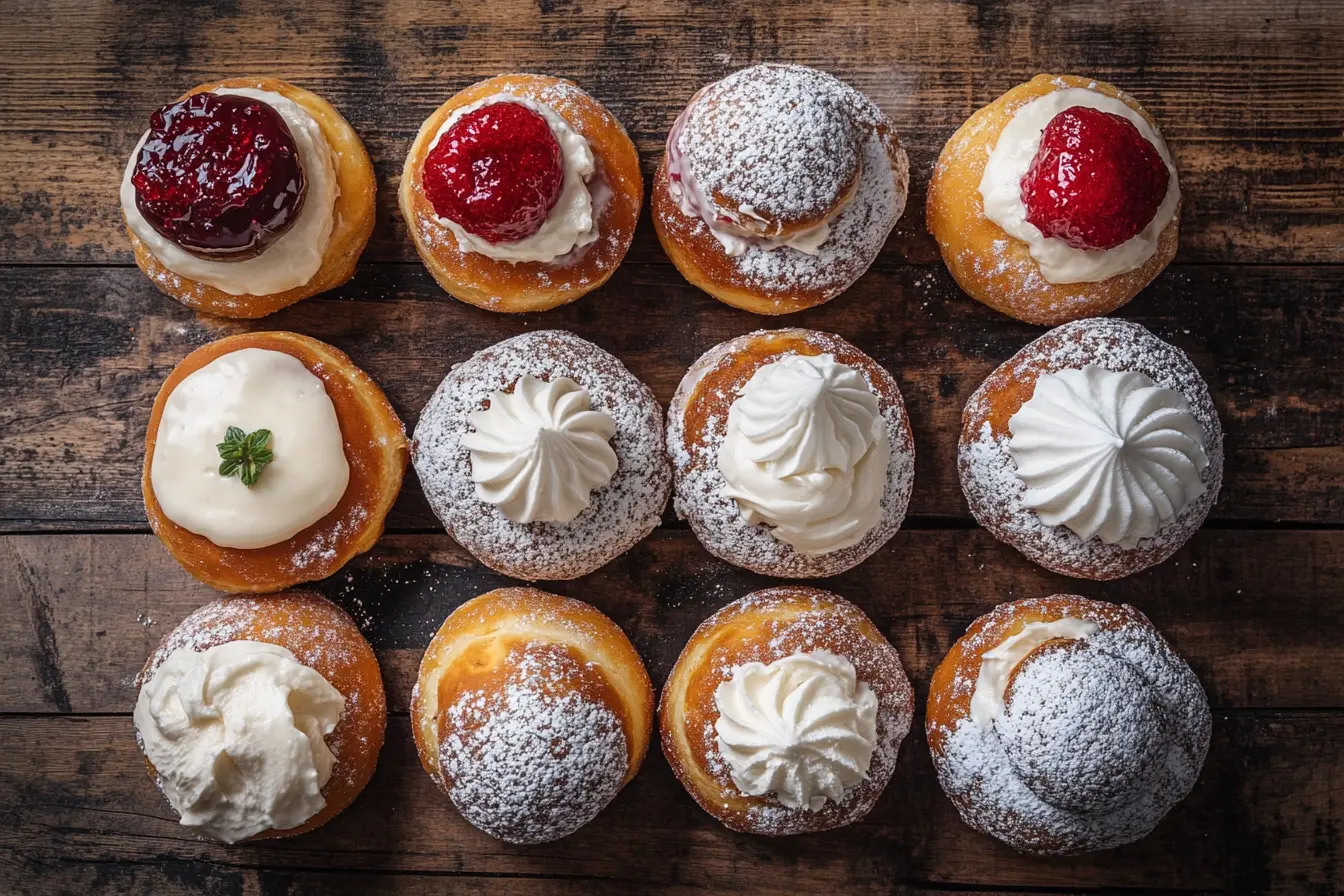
(1096, 450)
(539, 257)
(1062, 725)
(543, 456)
(785, 712)
(531, 711)
(320, 243)
(778, 187)
(1081, 265)
(365, 432)
(251, 668)
(752, 432)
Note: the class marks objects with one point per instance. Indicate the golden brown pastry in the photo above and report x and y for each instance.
(1057, 201)
(531, 711)
(261, 716)
(785, 712)
(521, 193)
(284, 212)
(326, 448)
(1064, 725)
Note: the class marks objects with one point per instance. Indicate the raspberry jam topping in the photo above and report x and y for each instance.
(219, 175)
(1095, 182)
(496, 172)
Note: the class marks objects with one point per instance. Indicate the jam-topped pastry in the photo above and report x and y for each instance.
(778, 187)
(543, 456)
(247, 195)
(521, 193)
(270, 460)
(1057, 201)
(1064, 725)
(791, 452)
(1095, 451)
(261, 717)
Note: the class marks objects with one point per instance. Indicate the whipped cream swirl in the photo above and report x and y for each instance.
(997, 664)
(803, 728)
(806, 452)
(1109, 455)
(237, 735)
(539, 452)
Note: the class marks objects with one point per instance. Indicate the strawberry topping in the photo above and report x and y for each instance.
(1095, 182)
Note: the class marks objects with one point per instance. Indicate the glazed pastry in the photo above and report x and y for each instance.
(785, 712)
(1095, 451)
(270, 460)
(1057, 201)
(261, 716)
(531, 711)
(778, 187)
(521, 193)
(543, 456)
(791, 452)
(1064, 725)
(247, 195)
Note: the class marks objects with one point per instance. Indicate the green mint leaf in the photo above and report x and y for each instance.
(244, 454)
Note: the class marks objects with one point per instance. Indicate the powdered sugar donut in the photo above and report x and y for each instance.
(543, 456)
(792, 453)
(778, 188)
(1096, 450)
(1064, 725)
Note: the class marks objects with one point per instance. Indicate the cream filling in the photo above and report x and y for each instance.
(997, 664)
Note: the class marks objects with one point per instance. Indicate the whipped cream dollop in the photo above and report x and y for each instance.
(539, 452)
(251, 389)
(573, 220)
(237, 735)
(805, 451)
(1011, 158)
(998, 663)
(1109, 455)
(294, 257)
(802, 728)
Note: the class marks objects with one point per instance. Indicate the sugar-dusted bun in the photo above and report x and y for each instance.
(619, 514)
(696, 425)
(351, 227)
(765, 627)
(617, 187)
(321, 636)
(778, 151)
(989, 474)
(375, 449)
(1101, 731)
(988, 263)
(531, 711)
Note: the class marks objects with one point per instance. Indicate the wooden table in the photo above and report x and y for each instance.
(1249, 96)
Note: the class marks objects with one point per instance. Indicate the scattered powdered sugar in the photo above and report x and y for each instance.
(989, 473)
(622, 512)
(531, 762)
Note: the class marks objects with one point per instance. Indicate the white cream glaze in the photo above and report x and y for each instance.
(252, 389)
(572, 222)
(236, 734)
(539, 452)
(290, 261)
(803, 728)
(1011, 158)
(997, 664)
(1109, 455)
(805, 452)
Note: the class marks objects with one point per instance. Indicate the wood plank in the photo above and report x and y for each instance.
(87, 349)
(1263, 818)
(1250, 106)
(1258, 614)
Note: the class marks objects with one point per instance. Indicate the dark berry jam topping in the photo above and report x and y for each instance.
(219, 175)
(1095, 182)
(497, 172)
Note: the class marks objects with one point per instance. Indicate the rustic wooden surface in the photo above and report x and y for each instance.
(1249, 96)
